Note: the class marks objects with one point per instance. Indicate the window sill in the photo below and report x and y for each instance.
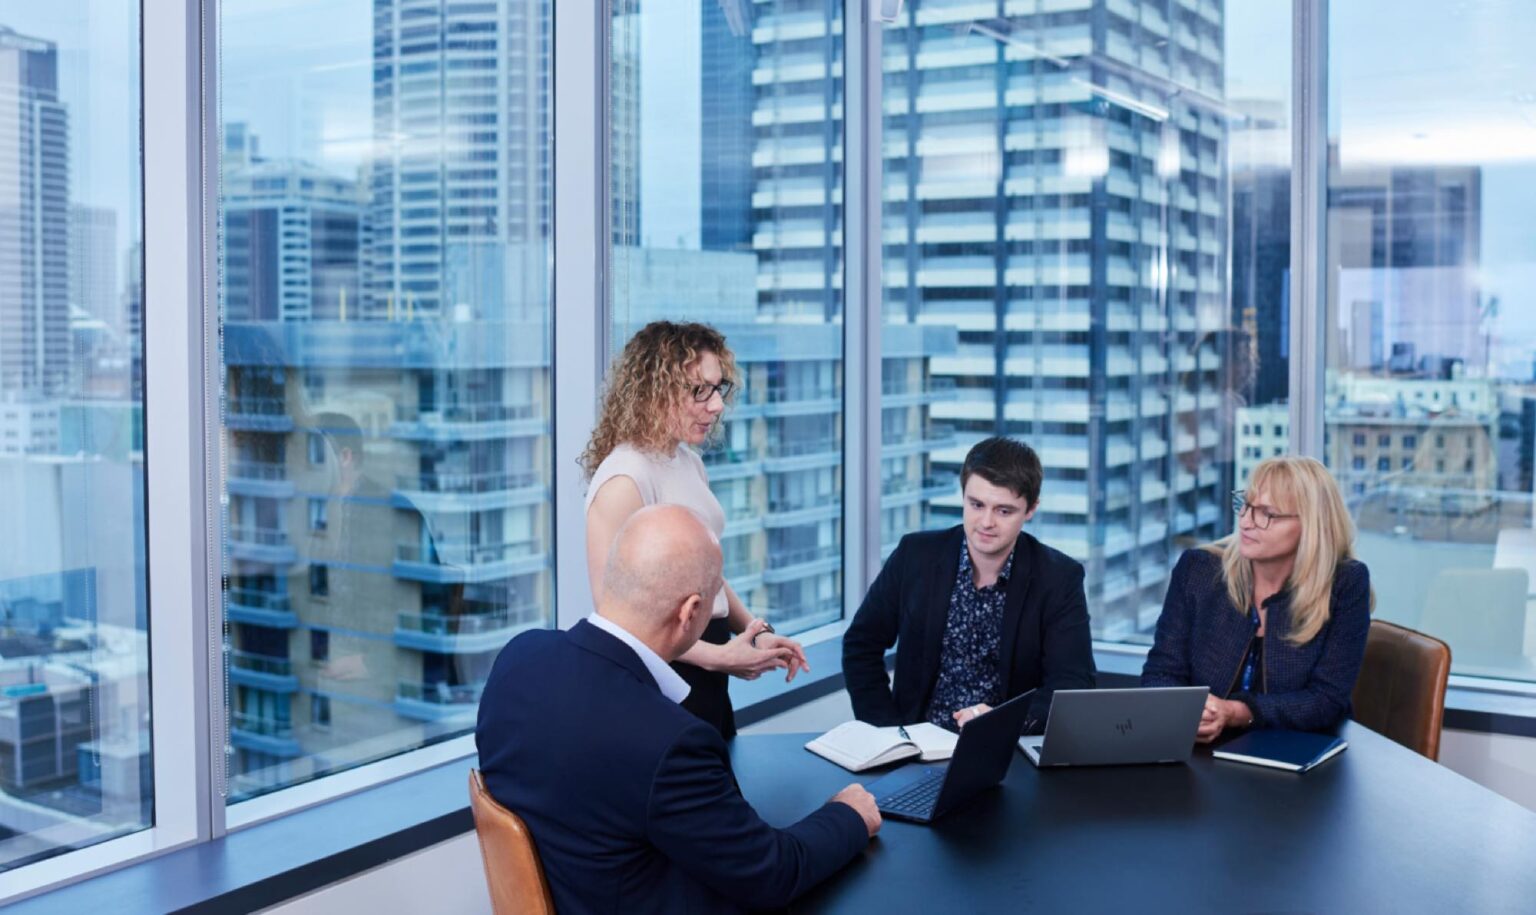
(289, 855)
(271, 862)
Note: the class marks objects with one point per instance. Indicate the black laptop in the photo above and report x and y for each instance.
(922, 794)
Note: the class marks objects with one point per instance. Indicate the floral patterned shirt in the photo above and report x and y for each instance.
(969, 669)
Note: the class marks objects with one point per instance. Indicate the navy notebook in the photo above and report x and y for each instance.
(1294, 751)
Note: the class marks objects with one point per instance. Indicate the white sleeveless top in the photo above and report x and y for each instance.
(677, 480)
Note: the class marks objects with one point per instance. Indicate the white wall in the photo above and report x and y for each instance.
(1496, 761)
(447, 877)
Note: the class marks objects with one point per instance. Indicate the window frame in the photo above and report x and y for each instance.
(172, 162)
(183, 449)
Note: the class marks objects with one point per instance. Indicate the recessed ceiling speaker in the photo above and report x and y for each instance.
(888, 10)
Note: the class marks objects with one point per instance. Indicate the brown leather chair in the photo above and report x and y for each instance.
(1401, 690)
(512, 868)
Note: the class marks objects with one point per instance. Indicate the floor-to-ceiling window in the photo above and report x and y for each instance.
(1430, 393)
(1086, 246)
(385, 202)
(75, 758)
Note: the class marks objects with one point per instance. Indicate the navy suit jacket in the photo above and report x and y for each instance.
(1045, 646)
(1202, 640)
(630, 799)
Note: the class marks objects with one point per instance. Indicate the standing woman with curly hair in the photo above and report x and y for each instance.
(664, 400)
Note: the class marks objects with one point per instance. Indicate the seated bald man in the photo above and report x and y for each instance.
(630, 799)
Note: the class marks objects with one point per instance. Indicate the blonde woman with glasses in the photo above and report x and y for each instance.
(667, 393)
(1273, 618)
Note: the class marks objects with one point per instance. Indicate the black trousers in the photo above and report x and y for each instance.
(709, 694)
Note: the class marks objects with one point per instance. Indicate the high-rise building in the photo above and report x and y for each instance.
(292, 236)
(1406, 242)
(1261, 243)
(461, 180)
(388, 531)
(34, 218)
(1050, 196)
(1412, 434)
(93, 263)
(388, 458)
(726, 126)
(1263, 432)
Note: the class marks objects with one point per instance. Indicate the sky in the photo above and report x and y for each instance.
(98, 62)
(1412, 81)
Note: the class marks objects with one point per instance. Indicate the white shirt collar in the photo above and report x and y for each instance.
(672, 686)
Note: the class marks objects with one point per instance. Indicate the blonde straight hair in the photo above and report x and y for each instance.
(1303, 486)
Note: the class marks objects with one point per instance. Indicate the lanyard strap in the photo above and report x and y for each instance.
(1252, 660)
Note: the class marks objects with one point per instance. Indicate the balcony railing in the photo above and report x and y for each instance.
(780, 393)
(784, 449)
(901, 485)
(256, 724)
(467, 413)
(783, 506)
(466, 483)
(741, 568)
(261, 536)
(780, 559)
(934, 433)
(247, 405)
(469, 623)
(895, 387)
(441, 693)
(261, 600)
(725, 456)
(258, 470)
(458, 553)
(260, 664)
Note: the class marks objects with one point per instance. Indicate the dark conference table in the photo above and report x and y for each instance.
(1376, 829)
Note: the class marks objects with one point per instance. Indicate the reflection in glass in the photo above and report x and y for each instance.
(75, 764)
(386, 239)
(727, 152)
(1431, 395)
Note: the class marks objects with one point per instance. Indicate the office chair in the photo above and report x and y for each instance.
(512, 868)
(1401, 690)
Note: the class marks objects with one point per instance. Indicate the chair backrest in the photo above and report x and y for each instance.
(1401, 690)
(512, 868)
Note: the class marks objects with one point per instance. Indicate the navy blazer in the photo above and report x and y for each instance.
(630, 800)
(1202, 639)
(1046, 644)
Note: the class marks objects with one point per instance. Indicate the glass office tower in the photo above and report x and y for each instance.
(1056, 190)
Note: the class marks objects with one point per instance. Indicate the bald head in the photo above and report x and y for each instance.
(661, 557)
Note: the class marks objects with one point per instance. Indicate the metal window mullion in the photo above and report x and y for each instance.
(208, 354)
(170, 98)
(862, 232)
(580, 312)
(1309, 211)
(180, 387)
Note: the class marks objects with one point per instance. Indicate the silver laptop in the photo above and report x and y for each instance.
(1111, 727)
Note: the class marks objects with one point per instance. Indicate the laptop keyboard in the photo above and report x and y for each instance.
(918, 798)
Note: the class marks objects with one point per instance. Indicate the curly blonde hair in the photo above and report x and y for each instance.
(647, 382)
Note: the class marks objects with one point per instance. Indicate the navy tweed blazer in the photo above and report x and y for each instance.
(1201, 641)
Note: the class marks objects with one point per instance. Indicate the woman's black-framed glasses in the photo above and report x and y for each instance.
(703, 392)
(1262, 517)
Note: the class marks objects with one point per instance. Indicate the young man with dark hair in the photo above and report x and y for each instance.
(978, 613)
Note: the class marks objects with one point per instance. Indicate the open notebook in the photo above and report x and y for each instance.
(857, 746)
